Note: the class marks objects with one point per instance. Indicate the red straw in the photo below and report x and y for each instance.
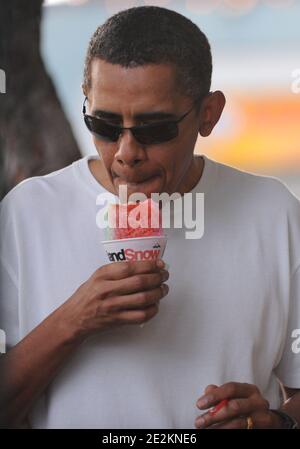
(218, 407)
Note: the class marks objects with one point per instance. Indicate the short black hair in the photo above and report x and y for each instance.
(154, 35)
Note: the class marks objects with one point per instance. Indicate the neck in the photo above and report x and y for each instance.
(192, 176)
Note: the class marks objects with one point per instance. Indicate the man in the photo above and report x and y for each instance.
(77, 355)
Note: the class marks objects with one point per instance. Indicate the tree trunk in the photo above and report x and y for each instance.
(35, 136)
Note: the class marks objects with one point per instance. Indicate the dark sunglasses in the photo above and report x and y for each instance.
(153, 133)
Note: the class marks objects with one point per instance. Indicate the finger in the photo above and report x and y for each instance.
(233, 409)
(137, 316)
(136, 283)
(264, 419)
(207, 391)
(238, 423)
(227, 391)
(122, 270)
(210, 388)
(137, 300)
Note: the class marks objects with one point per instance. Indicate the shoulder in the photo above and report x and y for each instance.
(37, 191)
(268, 191)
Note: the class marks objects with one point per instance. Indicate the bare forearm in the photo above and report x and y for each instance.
(31, 365)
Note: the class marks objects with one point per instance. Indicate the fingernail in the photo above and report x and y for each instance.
(200, 422)
(165, 288)
(160, 263)
(203, 402)
(165, 276)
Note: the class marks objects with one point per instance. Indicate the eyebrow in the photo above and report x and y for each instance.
(158, 115)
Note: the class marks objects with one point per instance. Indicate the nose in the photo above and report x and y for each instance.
(130, 152)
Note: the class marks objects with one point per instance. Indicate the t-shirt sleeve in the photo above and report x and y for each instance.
(9, 310)
(288, 369)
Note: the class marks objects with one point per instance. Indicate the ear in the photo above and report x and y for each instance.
(210, 112)
(83, 90)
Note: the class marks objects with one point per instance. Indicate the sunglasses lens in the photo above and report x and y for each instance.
(146, 135)
(102, 129)
(156, 133)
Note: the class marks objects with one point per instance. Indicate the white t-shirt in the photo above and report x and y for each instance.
(233, 303)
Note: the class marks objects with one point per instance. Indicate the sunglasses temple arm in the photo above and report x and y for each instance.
(83, 106)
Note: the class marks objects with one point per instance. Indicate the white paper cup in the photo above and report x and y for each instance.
(140, 248)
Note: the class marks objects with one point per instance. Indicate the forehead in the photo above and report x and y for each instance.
(115, 86)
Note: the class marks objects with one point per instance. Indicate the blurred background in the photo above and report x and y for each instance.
(255, 46)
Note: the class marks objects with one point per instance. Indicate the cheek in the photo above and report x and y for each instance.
(172, 162)
(176, 157)
(163, 158)
(105, 152)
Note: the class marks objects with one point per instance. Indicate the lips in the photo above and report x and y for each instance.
(143, 181)
(147, 186)
(134, 181)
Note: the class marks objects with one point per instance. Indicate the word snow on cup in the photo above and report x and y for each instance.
(144, 248)
(134, 232)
